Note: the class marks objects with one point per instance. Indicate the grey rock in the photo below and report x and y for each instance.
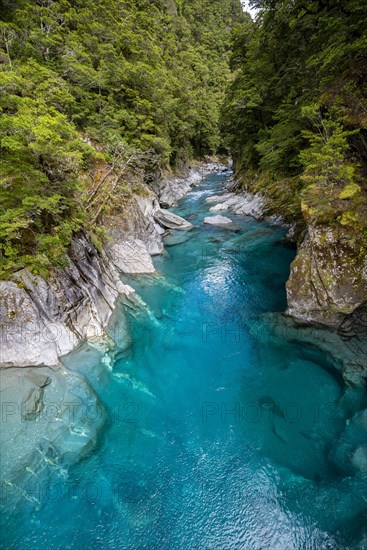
(170, 190)
(43, 320)
(213, 199)
(171, 221)
(243, 203)
(173, 239)
(131, 256)
(328, 278)
(359, 459)
(350, 450)
(218, 220)
(136, 221)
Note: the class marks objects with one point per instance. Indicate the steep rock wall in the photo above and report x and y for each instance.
(328, 278)
(43, 320)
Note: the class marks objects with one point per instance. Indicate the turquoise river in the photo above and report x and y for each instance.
(220, 436)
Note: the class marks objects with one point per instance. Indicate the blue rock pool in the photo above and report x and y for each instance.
(219, 437)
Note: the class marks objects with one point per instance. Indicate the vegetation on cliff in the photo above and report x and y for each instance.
(296, 114)
(92, 90)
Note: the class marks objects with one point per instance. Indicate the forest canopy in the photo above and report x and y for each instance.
(295, 115)
(97, 85)
(91, 81)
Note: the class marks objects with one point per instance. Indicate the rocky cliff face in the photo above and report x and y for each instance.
(328, 278)
(41, 321)
(328, 286)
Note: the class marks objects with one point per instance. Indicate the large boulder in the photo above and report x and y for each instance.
(220, 221)
(167, 219)
(328, 278)
(213, 199)
(244, 203)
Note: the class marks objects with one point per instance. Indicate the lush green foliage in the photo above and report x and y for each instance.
(296, 110)
(127, 77)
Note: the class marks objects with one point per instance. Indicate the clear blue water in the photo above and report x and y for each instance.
(218, 437)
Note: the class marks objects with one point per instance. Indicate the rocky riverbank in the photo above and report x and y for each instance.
(42, 320)
(51, 416)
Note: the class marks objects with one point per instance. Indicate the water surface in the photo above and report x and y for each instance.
(219, 437)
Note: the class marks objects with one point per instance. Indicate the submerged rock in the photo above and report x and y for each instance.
(38, 379)
(173, 238)
(350, 359)
(44, 430)
(359, 459)
(32, 403)
(350, 451)
(268, 403)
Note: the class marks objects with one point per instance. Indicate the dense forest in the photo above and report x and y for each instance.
(90, 88)
(131, 85)
(296, 114)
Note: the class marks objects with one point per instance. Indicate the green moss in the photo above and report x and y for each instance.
(349, 191)
(348, 218)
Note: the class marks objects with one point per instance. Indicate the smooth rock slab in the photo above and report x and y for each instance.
(218, 198)
(244, 203)
(218, 220)
(131, 256)
(220, 207)
(171, 221)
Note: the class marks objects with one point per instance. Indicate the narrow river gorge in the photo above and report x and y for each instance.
(219, 434)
